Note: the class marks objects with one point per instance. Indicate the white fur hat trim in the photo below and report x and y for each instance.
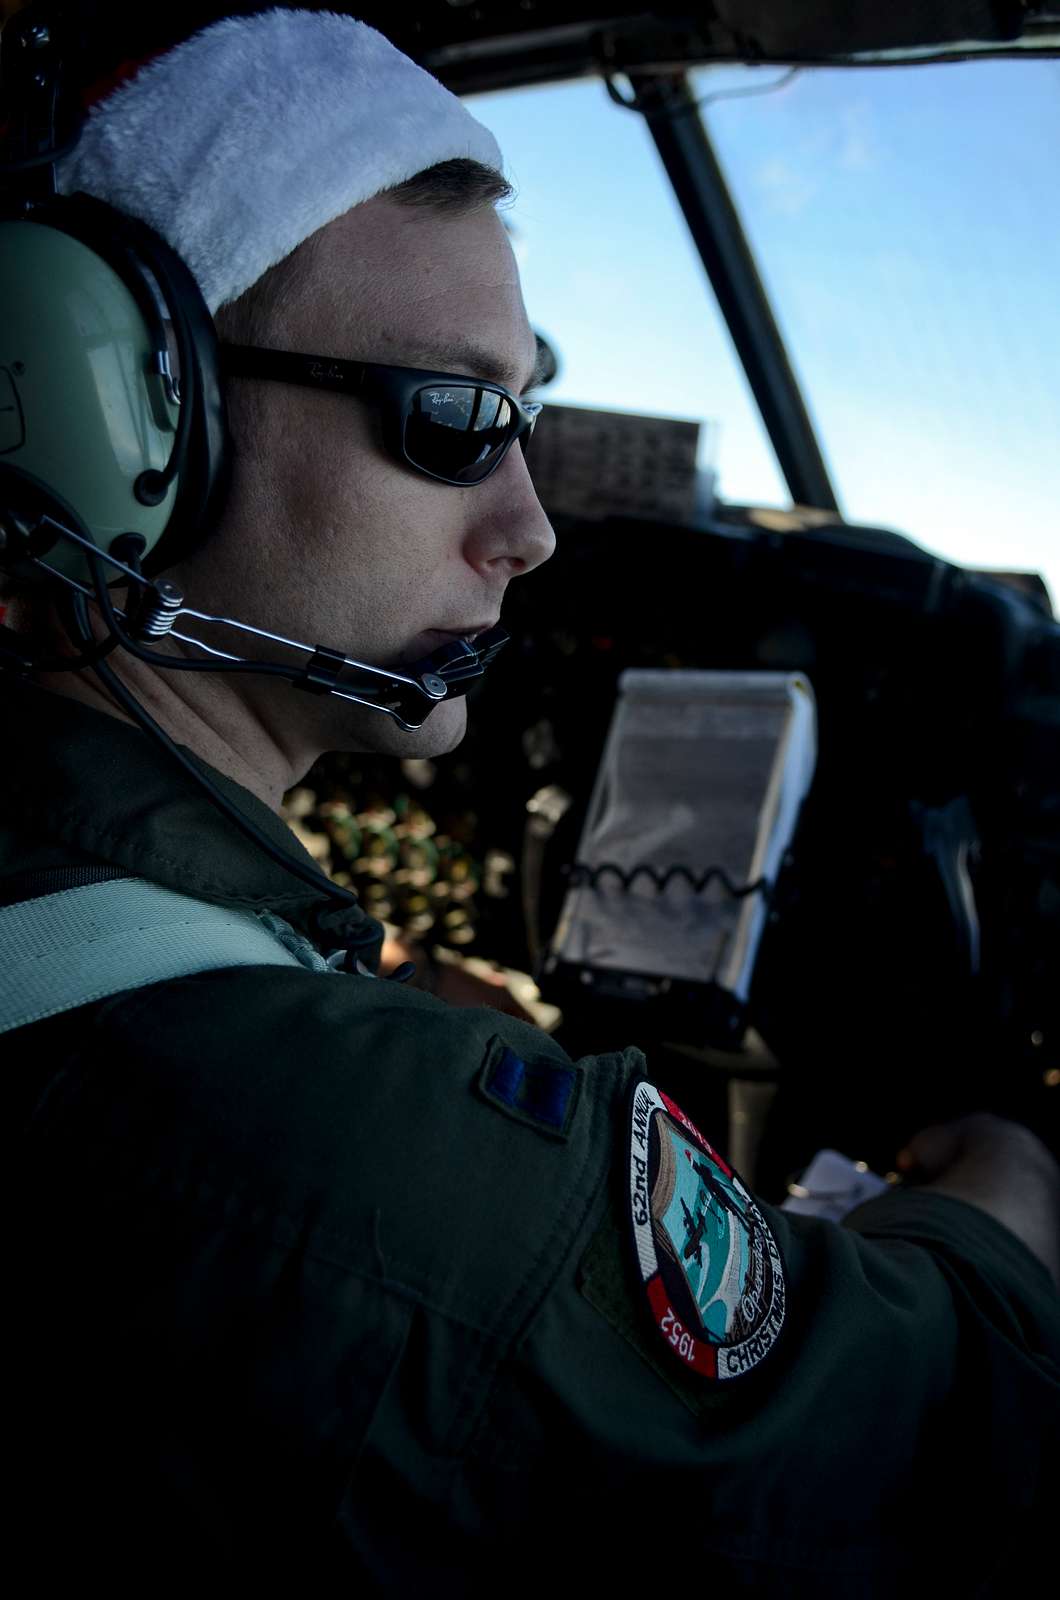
(242, 141)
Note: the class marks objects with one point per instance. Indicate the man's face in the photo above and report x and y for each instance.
(329, 540)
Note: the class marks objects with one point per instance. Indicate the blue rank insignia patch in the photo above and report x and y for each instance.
(710, 1266)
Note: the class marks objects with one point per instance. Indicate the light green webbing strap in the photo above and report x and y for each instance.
(68, 949)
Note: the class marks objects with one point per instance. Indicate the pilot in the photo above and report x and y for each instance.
(320, 1281)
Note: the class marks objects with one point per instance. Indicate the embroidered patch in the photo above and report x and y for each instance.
(541, 1093)
(711, 1268)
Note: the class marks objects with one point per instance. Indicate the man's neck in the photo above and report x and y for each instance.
(199, 710)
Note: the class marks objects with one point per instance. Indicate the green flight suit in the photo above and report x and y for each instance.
(300, 1303)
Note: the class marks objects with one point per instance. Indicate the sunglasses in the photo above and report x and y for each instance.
(452, 429)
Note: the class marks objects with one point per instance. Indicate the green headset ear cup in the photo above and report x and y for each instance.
(207, 472)
(75, 350)
(79, 325)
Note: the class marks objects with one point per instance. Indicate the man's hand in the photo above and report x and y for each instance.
(459, 987)
(452, 982)
(999, 1166)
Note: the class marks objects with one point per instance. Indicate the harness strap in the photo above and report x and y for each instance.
(68, 949)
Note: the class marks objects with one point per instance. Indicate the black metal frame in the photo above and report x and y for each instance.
(675, 124)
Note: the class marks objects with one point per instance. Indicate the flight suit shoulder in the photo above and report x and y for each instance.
(452, 1154)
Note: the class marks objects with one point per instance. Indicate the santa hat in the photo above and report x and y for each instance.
(239, 143)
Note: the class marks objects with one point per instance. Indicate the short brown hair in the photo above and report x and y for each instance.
(454, 186)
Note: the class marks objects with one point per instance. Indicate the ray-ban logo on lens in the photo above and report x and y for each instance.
(327, 369)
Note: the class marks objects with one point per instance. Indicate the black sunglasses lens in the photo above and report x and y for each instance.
(459, 431)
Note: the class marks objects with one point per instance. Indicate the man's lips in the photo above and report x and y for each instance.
(446, 635)
(432, 639)
(470, 632)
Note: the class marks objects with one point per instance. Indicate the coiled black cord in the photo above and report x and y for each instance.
(581, 875)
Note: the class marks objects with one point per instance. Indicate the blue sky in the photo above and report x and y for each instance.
(907, 224)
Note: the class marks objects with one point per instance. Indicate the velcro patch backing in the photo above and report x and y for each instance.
(541, 1093)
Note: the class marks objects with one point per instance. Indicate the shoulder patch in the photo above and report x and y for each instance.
(540, 1092)
(711, 1268)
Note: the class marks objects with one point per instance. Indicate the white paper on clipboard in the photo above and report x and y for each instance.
(702, 770)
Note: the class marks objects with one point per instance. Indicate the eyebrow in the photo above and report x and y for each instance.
(476, 361)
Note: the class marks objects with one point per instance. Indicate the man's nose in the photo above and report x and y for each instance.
(510, 533)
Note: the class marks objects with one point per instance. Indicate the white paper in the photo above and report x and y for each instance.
(700, 770)
(833, 1185)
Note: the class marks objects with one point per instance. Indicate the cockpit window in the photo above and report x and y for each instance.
(612, 279)
(904, 220)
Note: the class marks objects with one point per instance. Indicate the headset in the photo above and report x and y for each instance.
(113, 464)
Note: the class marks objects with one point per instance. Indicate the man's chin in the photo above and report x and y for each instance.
(443, 730)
